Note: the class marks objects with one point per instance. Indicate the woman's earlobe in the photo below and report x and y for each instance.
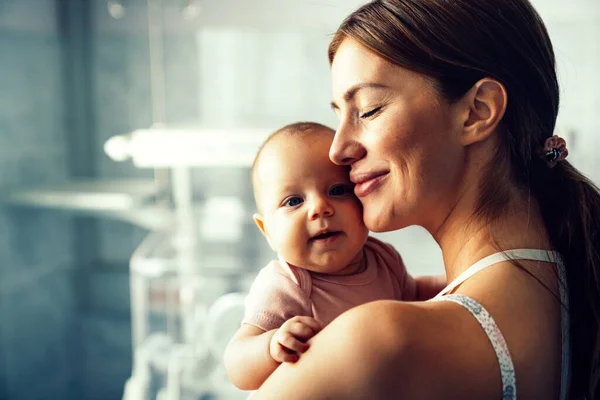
(487, 101)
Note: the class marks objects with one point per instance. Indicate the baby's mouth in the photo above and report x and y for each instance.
(326, 235)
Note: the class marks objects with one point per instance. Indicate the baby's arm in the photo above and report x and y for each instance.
(247, 358)
(253, 354)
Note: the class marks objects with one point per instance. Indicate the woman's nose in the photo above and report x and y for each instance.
(345, 149)
(320, 208)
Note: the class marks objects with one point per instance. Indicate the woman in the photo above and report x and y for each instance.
(447, 109)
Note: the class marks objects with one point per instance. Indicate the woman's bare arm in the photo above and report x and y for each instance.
(392, 350)
(330, 370)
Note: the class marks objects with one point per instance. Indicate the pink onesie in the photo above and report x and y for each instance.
(281, 291)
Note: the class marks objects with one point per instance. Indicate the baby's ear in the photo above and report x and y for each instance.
(259, 221)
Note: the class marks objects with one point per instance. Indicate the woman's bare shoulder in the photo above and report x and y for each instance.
(389, 349)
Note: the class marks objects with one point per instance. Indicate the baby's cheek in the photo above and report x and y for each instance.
(355, 210)
(356, 222)
(356, 203)
(294, 241)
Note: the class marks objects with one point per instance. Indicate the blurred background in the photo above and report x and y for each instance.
(126, 131)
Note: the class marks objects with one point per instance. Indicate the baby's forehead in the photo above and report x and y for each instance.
(298, 158)
(292, 148)
(291, 138)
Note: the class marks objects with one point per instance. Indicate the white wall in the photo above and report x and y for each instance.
(264, 63)
(295, 14)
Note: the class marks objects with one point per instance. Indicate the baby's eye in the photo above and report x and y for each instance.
(293, 202)
(339, 190)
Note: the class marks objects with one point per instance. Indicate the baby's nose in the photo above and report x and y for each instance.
(321, 208)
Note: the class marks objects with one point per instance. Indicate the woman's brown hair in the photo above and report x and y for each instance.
(457, 43)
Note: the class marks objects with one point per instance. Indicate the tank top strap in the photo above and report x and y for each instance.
(492, 330)
(507, 255)
(507, 369)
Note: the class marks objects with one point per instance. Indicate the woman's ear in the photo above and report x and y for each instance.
(259, 221)
(486, 102)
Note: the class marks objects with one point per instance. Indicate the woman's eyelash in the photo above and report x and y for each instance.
(370, 113)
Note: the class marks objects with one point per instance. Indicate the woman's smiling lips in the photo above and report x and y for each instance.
(367, 182)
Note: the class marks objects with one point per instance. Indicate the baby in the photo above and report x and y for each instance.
(326, 263)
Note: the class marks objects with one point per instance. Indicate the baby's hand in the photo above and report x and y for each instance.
(290, 339)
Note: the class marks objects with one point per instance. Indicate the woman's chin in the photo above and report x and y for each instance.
(384, 219)
(377, 221)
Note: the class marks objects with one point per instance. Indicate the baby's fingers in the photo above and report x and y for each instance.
(309, 321)
(289, 341)
(281, 354)
(302, 331)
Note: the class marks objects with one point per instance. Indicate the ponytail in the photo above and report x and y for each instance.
(570, 207)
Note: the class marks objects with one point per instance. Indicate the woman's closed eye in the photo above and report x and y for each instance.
(371, 113)
(293, 201)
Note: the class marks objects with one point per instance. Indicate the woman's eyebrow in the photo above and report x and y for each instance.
(353, 90)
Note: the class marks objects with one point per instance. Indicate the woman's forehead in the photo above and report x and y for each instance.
(356, 65)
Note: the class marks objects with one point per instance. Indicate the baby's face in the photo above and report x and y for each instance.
(309, 213)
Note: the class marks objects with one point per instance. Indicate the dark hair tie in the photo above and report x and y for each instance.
(554, 150)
